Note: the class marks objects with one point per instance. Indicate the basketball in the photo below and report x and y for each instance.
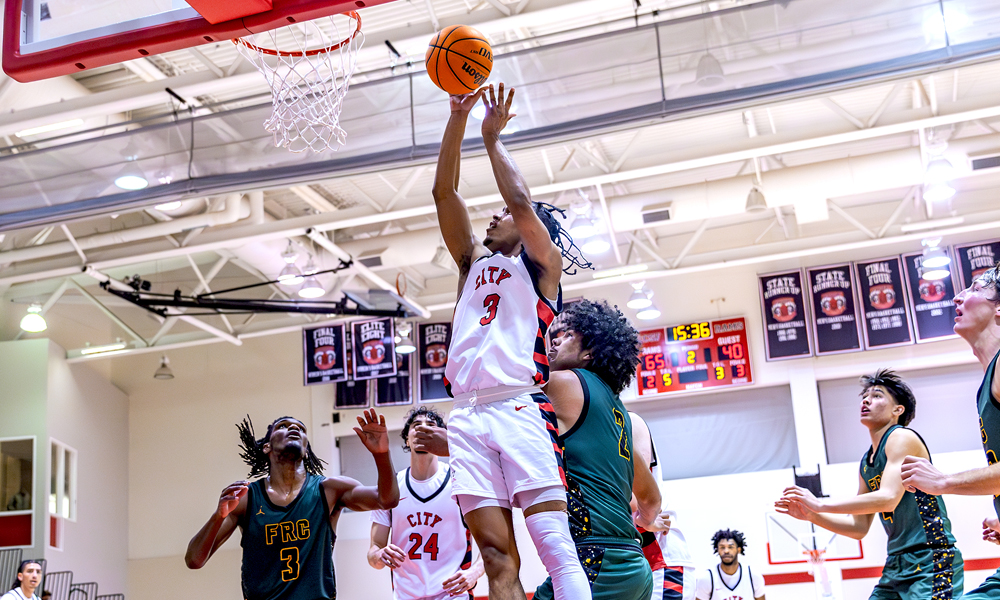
(459, 59)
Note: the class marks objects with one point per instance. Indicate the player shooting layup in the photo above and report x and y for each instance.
(503, 447)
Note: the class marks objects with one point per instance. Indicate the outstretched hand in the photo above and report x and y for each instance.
(373, 432)
(433, 440)
(991, 531)
(463, 103)
(497, 111)
(230, 497)
(798, 502)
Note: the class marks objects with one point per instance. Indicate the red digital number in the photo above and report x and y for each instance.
(651, 362)
(649, 382)
(490, 303)
(739, 371)
(732, 351)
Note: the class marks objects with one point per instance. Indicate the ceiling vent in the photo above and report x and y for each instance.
(656, 213)
(371, 258)
(986, 162)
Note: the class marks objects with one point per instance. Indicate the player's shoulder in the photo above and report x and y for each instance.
(903, 439)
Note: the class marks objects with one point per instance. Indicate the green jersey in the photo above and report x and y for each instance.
(920, 520)
(288, 550)
(597, 452)
(989, 420)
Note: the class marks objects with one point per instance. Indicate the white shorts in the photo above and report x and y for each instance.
(504, 447)
(675, 586)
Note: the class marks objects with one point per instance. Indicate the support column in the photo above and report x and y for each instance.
(808, 420)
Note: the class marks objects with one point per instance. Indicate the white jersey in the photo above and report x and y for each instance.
(673, 544)
(427, 524)
(498, 332)
(745, 584)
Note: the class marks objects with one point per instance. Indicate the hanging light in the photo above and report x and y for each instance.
(755, 201)
(290, 275)
(640, 297)
(709, 71)
(164, 371)
(935, 261)
(938, 192)
(582, 227)
(34, 322)
(311, 287)
(596, 246)
(131, 177)
(939, 170)
(649, 313)
(404, 344)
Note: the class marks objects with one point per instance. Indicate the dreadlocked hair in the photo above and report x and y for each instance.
(728, 534)
(426, 412)
(561, 238)
(252, 450)
(990, 280)
(613, 341)
(897, 388)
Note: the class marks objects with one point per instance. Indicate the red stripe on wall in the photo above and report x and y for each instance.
(862, 573)
(780, 578)
(15, 530)
(982, 564)
(972, 564)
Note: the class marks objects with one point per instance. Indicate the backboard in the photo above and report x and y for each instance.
(47, 38)
(788, 539)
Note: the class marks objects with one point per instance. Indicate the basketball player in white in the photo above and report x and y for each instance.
(729, 580)
(674, 574)
(430, 552)
(503, 448)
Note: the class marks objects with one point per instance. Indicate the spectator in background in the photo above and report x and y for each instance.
(46, 595)
(729, 580)
(29, 575)
(21, 500)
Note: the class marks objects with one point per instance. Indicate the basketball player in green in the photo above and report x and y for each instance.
(922, 562)
(977, 320)
(288, 518)
(593, 356)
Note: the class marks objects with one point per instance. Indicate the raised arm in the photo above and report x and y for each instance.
(222, 523)
(645, 488)
(347, 492)
(453, 214)
(516, 195)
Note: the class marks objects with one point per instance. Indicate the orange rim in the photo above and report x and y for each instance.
(352, 14)
(401, 287)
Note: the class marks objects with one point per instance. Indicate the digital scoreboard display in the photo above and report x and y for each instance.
(694, 356)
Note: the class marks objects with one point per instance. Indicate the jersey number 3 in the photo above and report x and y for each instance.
(490, 303)
(291, 557)
(430, 548)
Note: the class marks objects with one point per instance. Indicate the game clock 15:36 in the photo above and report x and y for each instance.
(689, 331)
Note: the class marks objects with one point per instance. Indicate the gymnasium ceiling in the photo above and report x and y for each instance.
(840, 161)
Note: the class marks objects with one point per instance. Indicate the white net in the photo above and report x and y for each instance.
(308, 67)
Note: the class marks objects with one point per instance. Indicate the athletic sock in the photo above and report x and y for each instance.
(549, 531)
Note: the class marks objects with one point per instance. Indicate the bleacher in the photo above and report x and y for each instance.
(60, 583)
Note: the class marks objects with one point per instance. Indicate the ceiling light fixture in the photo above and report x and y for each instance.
(597, 245)
(709, 71)
(290, 275)
(640, 297)
(405, 344)
(311, 287)
(582, 227)
(939, 170)
(34, 322)
(103, 349)
(648, 314)
(755, 201)
(938, 192)
(934, 258)
(164, 371)
(48, 128)
(131, 177)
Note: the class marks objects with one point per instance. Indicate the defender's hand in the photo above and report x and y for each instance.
(919, 474)
(660, 523)
(373, 432)
(497, 111)
(991, 531)
(230, 497)
(459, 583)
(463, 103)
(433, 440)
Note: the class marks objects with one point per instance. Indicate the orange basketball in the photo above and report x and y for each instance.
(459, 59)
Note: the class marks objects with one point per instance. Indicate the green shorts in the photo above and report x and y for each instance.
(929, 574)
(616, 568)
(989, 590)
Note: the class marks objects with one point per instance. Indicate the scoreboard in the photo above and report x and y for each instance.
(694, 356)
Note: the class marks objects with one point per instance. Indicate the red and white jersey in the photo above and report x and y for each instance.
(427, 524)
(498, 332)
(673, 550)
(745, 584)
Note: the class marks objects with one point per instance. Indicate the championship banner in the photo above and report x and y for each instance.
(433, 340)
(931, 301)
(351, 394)
(883, 303)
(395, 390)
(834, 313)
(324, 354)
(974, 259)
(374, 349)
(783, 308)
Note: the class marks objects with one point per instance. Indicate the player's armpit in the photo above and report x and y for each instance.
(565, 393)
(349, 493)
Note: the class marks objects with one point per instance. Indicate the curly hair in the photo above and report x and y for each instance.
(252, 450)
(729, 534)
(426, 412)
(610, 337)
(990, 280)
(897, 388)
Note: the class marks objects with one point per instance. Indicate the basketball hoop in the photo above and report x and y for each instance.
(308, 85)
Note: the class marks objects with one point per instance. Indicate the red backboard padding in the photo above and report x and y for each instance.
(219, 11)
(15, 530)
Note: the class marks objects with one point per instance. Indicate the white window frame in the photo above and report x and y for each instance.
(34, 482)
(62, 471)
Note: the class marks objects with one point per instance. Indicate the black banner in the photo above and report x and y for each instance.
(932, 303)
(883, 303)
(351, 394)
(974, 259)
(395, 390)
(783, 308)
(374, 349)
(433, 340)
(324, 354)
(834, 312)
